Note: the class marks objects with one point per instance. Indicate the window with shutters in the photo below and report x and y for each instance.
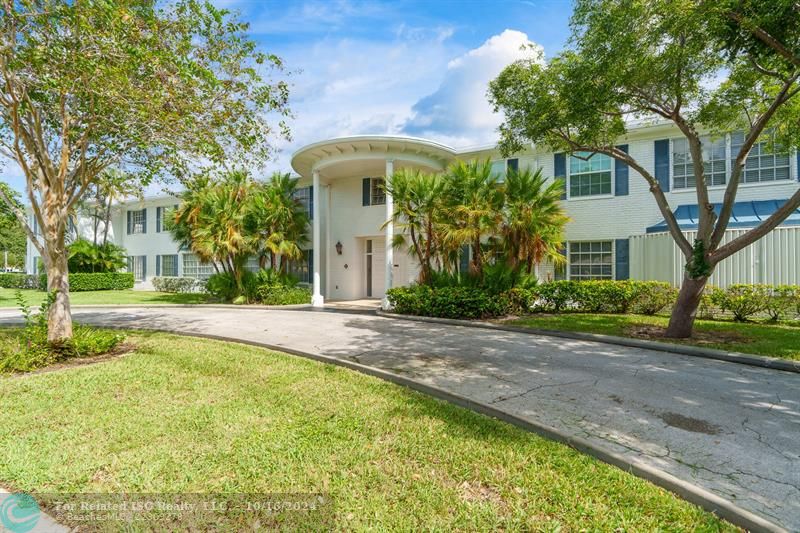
(162, 216)
(719, 157)
(167, 265)
(377, 194)
(502, 167)
(306, 198)
(137, 221)
(589, 175)
(138, 265)
(591, 260)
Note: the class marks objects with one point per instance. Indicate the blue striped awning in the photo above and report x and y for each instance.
(745, 215)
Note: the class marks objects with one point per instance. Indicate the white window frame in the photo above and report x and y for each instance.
(160, 265)
(728, 167)
(133, 260)
(375, 191)
(200, 271)
(143, 223)
(569, 244)
(591, 196)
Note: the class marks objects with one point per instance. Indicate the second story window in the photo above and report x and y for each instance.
(589, 174)
(305, 195)
(372, 192)
(137, 221)
(502, 167)
(719, 157)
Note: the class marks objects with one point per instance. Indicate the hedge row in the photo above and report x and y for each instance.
(78, 281)
(277, 295)
(178, 284)
(742, 302)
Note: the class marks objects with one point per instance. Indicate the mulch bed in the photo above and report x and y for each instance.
(656, 333)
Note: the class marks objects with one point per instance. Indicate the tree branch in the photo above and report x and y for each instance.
(764, 37)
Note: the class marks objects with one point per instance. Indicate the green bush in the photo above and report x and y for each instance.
(783, 301)
(276, 295)
(222, 285)
(520, 301)
(178, 284)
(19, 281)
(99, 281)
(86, 256)
(653, 297)
(556, 296)
(744, 301)
(447, 302)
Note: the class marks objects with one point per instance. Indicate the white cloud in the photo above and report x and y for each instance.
(459, 110)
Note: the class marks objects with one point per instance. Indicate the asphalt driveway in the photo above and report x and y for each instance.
(731, 429)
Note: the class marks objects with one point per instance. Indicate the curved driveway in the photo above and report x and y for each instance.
(729, 428)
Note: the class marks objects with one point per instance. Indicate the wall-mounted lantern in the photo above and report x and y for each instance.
(339, 247)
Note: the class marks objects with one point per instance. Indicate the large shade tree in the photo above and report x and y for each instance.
(646, 59)
(158, 88)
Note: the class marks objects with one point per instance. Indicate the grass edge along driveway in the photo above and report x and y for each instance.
(772, 340)
(35, 298)
(183, 414)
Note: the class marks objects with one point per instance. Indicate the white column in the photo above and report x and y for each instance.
(316, 299)
(389, 236)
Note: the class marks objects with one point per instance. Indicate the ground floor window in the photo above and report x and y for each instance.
(138, 265)
(252, 264)
(167, 265)
(591, 260)
(302, 268)
(194, 268)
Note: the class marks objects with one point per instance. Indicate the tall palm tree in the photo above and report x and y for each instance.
(418, 202)
(474, 200)
(534, 220)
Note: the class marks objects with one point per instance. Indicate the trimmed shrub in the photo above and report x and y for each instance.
(520, 301)
(606, 296)
(178, 284)
(556, 296)
(743, 301)
(19, 281)
(99, 281)
(277, 295)
(783, 301)
(447, 302)
(653, 297)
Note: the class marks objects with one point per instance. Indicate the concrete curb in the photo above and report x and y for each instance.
(707, 353)
(688, 491)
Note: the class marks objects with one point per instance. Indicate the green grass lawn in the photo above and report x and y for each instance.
(773, 340)
(34, 298)
(190, 415)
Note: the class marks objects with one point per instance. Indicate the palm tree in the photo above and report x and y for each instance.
(212, 222)
(418, 202)
(280, 220)
(474, 200)
(534, 220)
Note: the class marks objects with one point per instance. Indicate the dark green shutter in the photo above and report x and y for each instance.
(158, 265)
(144, 219)
(130, 228)
(621, 174)
(661, 148)
(797, 168)
(311, 202)
(513, 165)
(560, 171)
(159, 214)
(144, 267)
(622, 258)
(365, 191)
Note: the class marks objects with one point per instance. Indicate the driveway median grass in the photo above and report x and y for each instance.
(34, 298)
(760, 338)
(185, 415)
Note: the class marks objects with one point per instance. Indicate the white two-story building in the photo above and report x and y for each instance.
(615, 232)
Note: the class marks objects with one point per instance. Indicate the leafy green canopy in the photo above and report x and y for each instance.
(12, 236)
(159, 88)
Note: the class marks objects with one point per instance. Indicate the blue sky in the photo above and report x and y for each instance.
(393, 67)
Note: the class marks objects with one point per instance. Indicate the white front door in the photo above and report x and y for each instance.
(375, 268)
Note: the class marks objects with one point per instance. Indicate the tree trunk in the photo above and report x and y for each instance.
(681, 321)
(59, 318)
(107, 221)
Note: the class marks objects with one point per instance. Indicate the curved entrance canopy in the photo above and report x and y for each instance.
(366, 155)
